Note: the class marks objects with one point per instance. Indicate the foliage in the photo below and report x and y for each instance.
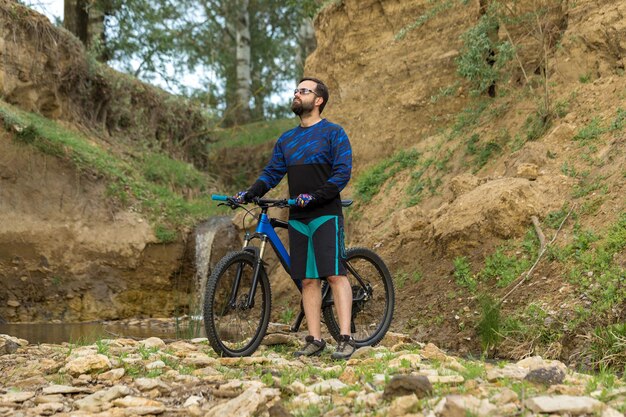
(369, 182)
(128, 180)
(463, 273)
(590, 132)
(169, 39)
(608, 347)
(490, 321)
(483, 57)
(178, 175)
(251, 134)
(537, 123)
(503, 268)
(620, 120)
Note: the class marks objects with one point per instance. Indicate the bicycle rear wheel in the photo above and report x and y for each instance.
(231, 327)
(373, 302)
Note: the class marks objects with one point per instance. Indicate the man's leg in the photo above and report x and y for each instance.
(312, 303)
(342, 295)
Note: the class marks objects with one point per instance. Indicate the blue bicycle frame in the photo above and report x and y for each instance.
(265, 232)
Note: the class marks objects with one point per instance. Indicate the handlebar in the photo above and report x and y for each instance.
(267, 201)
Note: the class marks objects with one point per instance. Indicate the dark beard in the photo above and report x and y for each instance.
(299, 107)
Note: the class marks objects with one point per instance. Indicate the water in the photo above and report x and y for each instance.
(204, 235)
(82, 333)
(58, 333)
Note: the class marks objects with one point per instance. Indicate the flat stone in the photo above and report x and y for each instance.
(94, 403)
(411, 359)
(432, 352)
(406, 385)
(16, 397)
(64, 389)
(199, 360)
(504, 396)
(464, 405)
(44, 399)
(361, 353)
(112, 375)
(548, 376)
(155, 365)
(247, 404)
(510, 371)
(153, 342)
(445, 379)
(181, 347)
(48, 409)
(393, 338)
(562, 404)
(31, 383)
(401, 406)
(147, 384)
(327, 386)
(139, 402)
(88, 364)
(308, 399)
(8, 346)
(192, 400)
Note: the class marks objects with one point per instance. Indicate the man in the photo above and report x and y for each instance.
(317, 157)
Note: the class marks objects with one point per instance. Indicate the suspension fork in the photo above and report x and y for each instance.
(258, 264)
(234, 290)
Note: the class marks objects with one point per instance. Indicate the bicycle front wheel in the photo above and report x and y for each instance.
(233, 326)
(373, 298)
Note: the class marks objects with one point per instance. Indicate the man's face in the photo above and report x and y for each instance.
(303, 104)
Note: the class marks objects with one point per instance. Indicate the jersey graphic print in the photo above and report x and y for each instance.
(318, 161)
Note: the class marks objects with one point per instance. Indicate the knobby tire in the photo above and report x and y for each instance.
(370, 324)
(234, 331)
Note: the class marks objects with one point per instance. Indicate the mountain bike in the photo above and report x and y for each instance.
(238, 296)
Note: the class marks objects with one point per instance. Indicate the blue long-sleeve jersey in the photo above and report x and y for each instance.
(317, 161)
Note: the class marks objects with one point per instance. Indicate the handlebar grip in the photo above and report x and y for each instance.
(219, 197)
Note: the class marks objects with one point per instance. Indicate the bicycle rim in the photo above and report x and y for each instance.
(372, 308)
(233, 329)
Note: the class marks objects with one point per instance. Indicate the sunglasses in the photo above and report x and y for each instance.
(304, 91)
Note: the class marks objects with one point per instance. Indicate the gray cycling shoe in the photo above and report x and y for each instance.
(345, 348)
(312, 348)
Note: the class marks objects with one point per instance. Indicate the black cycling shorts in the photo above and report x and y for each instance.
(316, 247)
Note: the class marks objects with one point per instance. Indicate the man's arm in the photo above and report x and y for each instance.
(272, 174)
(341, 152)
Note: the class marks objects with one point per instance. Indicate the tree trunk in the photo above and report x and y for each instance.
(85, 19)
(76, 18)
(243, 62)
(306, 43)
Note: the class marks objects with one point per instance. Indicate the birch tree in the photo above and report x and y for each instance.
(243, 62)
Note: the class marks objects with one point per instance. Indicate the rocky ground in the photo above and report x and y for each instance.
(126, 377)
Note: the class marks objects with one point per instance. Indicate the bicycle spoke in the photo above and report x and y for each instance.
(372, 293)
(233, 328)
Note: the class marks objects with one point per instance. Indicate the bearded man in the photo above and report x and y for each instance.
(317, 157)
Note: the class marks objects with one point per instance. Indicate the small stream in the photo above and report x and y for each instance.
(174, 328)
(85, 333)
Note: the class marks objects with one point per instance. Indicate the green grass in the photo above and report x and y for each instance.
(503, 268)
(608, 347)
(252, 134)
(156, 184)
(620, 120)
(463, 273)
(368, 184)
(489, 323)
(590, 132)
